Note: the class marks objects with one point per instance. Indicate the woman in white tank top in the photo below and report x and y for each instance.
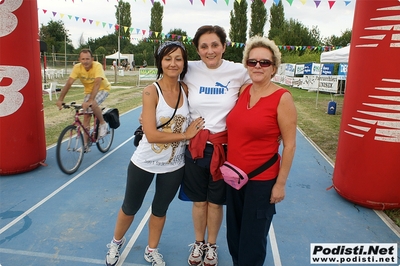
(160, 152)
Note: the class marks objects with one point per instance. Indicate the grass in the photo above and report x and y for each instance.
(313, 120)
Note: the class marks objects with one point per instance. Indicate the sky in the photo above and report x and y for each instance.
(187, 15)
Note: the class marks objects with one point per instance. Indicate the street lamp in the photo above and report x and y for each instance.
(119, 40)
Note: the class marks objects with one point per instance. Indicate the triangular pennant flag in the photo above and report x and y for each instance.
(173, 36)
(116, 26)
(90, 21)
(76, 18)
(264, 1)
(239, 1)
(331, 3)
(347, 2)
(125, 28)
(84, 20)
(277, 2)
(44, 11)
(227, 2)
(62, 15)
(303, 1)
(110, 25)
(137, 31)
(317, 3)
(152, 2)
(150, 33)
(179, 37)
(204, 2)
(163, 1)
(191, 2)
(216, 1)
(130, 30)
(157, 33)
(290, 2)
(97, 23)
(54, 13)
(143, 32)
(70, 16)
(104, 24)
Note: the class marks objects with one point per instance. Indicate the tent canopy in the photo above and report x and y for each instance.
(336, 56)
(115, 56)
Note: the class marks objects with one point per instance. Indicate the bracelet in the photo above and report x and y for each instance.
(184, 136)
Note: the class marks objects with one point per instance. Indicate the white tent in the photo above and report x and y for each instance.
(115, 56)
(336, 56)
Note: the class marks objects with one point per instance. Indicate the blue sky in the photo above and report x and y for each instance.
(186, 16)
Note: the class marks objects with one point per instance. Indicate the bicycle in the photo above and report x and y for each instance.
(70, 143)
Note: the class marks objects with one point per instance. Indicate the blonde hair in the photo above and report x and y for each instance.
(258, 41)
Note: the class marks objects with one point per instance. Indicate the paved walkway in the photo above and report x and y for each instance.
(49, 218)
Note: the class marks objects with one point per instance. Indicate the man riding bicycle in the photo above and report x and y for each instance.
(96, 88)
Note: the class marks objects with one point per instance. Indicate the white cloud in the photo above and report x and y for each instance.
(183, 15)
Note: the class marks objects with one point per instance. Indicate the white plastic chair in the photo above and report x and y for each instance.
(50, 90)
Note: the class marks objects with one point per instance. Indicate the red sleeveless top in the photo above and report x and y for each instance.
(253, 133)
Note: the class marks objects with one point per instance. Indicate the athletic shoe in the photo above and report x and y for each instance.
(113, 252)
(211, 257)
(196, 254)
(154, 257)
(103, 130)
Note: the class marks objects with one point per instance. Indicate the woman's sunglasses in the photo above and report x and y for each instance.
(263, 62)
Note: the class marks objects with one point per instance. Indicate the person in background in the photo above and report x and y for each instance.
(96, 88)
(213, 85)
(161, 152)
(264, 113)
(133, 64)
(144, 63)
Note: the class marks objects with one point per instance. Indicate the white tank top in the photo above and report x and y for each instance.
(164, 157)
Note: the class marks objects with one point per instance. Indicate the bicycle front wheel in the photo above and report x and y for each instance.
(70, 149)
(104, 143)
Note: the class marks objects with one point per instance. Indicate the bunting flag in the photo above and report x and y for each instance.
(276, 2)
(188, 39)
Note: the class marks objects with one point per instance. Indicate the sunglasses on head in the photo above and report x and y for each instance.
(263, 62)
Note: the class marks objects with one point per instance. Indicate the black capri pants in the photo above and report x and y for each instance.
(137, 184)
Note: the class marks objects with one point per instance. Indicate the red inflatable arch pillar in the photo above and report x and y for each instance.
(367, 168)
(22, 136)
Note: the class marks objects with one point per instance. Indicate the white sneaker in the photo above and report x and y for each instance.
(154, 257)
(196, 254)
(211, 257)
(113, 253)
(103, 128)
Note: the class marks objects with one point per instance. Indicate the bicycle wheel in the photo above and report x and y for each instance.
(70, 149)
(104, 144)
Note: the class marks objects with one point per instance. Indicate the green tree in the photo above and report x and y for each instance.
(124, 20)
(55, 35)
(277, 22)
(258, 18)
(296, 34)
(157, 12)
(238, 22)
(342, 40)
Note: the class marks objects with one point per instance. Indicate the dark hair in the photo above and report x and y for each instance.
(209, 29)
(166, 49)
(85, 50)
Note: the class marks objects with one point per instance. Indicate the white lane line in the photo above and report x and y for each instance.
(134, 237)
(58, 257)
(37, 205)
(274, 246)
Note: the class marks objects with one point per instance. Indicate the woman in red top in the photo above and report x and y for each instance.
(264, 112)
